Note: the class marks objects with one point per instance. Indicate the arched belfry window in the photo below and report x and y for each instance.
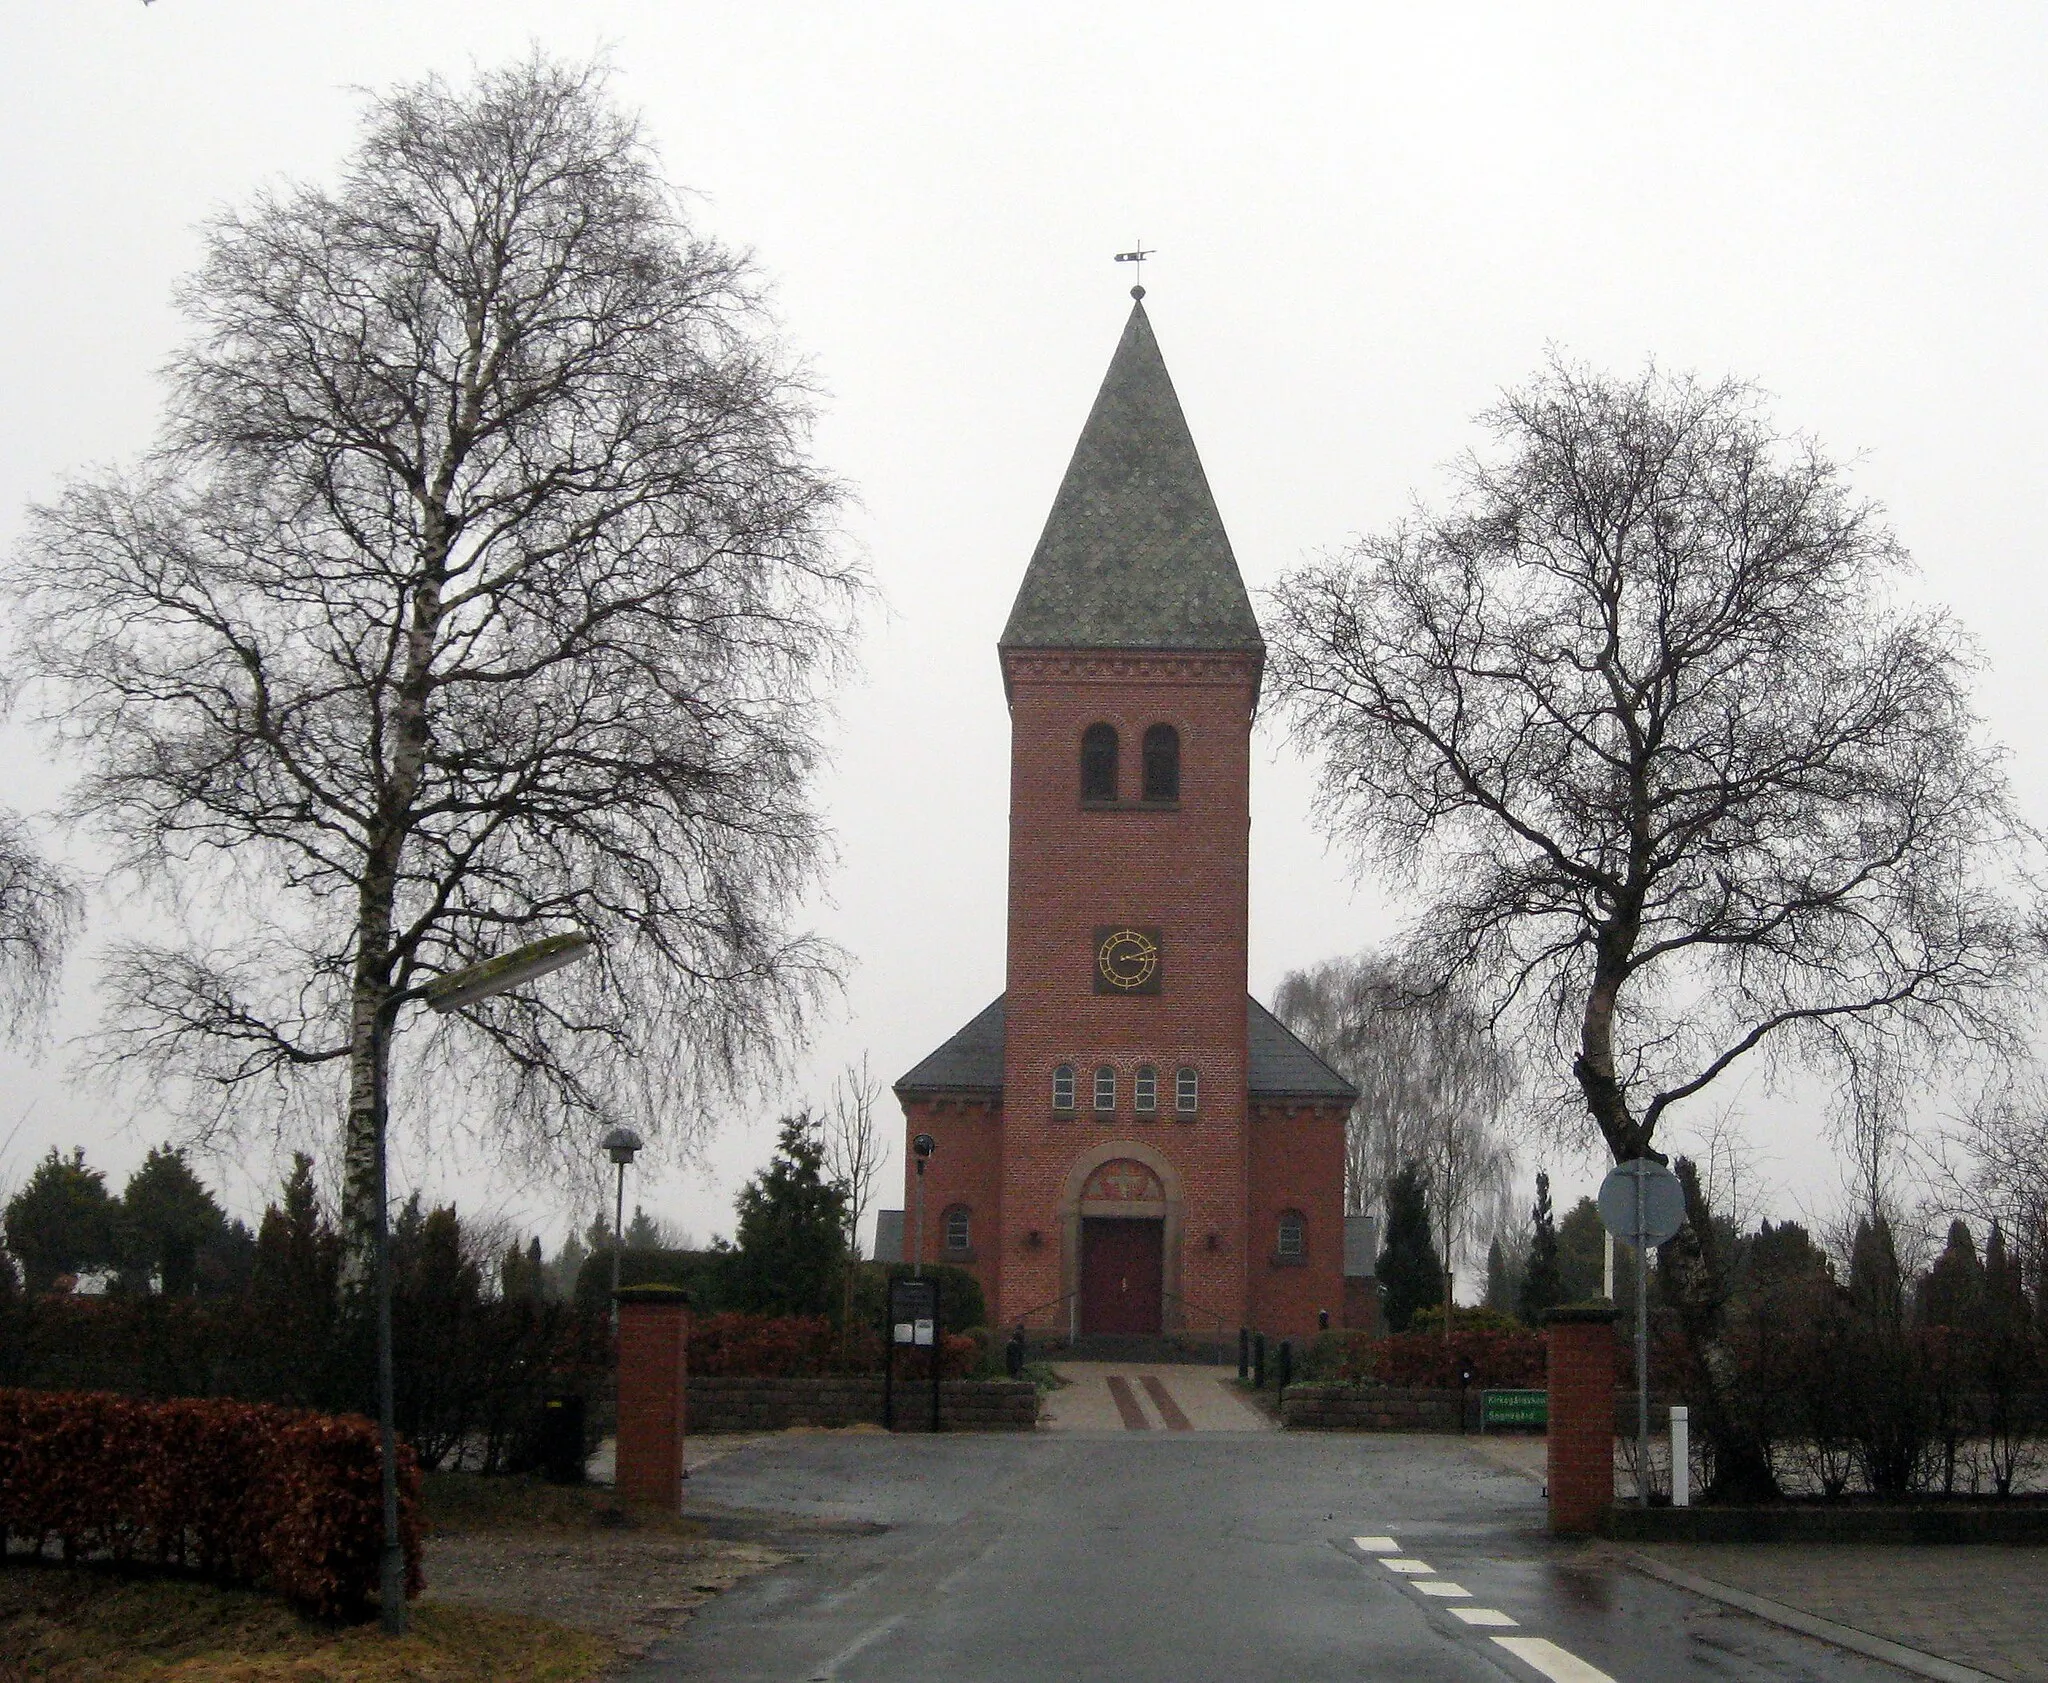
(1098, 763)
(1063, 1087)
(1292, 1239)
(1162, 763)
(957, 1227)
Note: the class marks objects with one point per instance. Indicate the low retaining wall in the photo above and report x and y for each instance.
(772, 1405)
(2021, 1521)
(1375, 1408)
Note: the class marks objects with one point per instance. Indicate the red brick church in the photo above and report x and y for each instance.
(1127, 1143)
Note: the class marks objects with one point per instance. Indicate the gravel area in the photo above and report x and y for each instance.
(632, 1588)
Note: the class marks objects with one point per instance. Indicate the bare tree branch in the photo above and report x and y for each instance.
(481, 584)
(40, 909)
(1679, 780)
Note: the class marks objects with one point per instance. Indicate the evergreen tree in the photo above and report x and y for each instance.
(2005, 1297)
(567, 1268)
(293, 1283)
(64, 1221)
(522, 1273)
(1500, 1290)
(1543, 1282)
(167, 1219)
(645, 1232)
(1582, 1255)
(1411, 1274)
(1875, 1285)
(1952, 1290)
(791, 1239)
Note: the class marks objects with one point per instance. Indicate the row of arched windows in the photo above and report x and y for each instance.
(1187, 1089)
(1160, 764)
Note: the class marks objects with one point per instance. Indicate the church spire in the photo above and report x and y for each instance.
(1134, 555)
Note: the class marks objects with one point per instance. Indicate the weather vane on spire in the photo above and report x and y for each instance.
(1138, 257)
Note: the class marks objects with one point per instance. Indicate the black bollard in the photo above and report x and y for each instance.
(1323, 1320)
(1286, 1374)
(1259, 1360)
(1244, 1352)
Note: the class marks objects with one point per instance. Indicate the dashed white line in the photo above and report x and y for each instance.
(1377, 1545)
(1410, 1568)
(1560, 1665)
(1483, 1616)
(1443, 1587)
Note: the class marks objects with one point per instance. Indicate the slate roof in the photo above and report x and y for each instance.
(1281, 1066)
(971, 1061)
(1134, 555)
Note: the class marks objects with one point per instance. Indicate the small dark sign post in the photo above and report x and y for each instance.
(914, 1323)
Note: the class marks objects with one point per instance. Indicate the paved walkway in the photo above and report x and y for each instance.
(1979, 1606)
(1148, 1397)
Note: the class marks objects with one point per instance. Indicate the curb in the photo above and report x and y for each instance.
(1809, 1624)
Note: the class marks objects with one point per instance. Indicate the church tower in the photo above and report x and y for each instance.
(1127, 1144)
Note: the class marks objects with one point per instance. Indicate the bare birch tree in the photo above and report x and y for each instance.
(481, 584)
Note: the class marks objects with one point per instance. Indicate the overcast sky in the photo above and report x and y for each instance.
(1368, 219)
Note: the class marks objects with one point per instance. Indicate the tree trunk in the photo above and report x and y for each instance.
(373, 981)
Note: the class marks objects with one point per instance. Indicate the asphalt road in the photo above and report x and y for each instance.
(1187, 1557)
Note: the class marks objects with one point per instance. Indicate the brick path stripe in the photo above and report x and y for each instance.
(1169, 1410)
(1127, 1404)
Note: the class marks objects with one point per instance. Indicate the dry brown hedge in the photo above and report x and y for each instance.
(276, 1498)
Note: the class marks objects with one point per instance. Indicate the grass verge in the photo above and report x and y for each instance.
(93, 1625)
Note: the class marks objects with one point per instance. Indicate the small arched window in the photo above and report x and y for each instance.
(1098, 763)
(1145, 1090)
(1105, 1088)
(1187, 1090)
(1162, 763)
(958, 1228)
(1292, 1240)
(1063, 1087)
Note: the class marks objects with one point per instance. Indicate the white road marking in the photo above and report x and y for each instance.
(1378, 1545)
(1445, 1588)
(1560, 1665)
(1413, 1568)
(1483, 1616)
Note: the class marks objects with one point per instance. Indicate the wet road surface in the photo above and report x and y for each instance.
(1187, 1557)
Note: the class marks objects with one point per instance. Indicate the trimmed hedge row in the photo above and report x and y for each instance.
(742, 1346)
(1425, 1361)
(282, 1499)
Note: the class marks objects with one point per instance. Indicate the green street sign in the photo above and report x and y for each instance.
(1514, 1408)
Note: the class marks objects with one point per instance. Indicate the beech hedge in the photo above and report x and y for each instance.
(275, 1498)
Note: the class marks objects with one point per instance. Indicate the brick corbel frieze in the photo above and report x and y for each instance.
(1130, 666)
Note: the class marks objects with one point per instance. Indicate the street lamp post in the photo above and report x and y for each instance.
(444, 994)
(621, 1144)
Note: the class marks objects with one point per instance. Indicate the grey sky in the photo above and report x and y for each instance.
(1367, 219)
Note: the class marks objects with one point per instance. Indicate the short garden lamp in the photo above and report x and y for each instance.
(621, 1145)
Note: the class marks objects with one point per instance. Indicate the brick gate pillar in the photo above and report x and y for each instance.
(654, 1342)
(1580, 1439)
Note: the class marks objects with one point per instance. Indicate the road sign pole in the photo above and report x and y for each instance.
(1642, 1352)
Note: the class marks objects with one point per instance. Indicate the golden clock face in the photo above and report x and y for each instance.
(1126, 960)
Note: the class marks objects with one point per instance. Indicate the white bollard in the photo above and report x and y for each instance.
(1681, 1458)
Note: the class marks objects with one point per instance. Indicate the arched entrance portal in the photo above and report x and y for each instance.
(1122, 1247)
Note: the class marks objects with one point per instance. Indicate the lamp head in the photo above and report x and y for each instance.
(924, 1145)
(620, 1144)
